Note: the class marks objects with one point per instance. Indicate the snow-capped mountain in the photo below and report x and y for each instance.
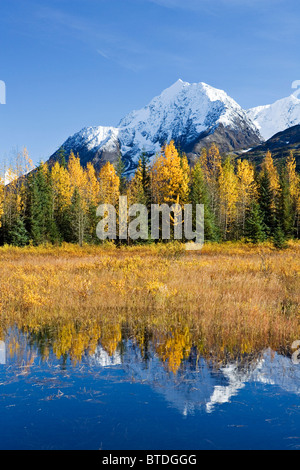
(276, 117)
(95, 144)
(194, 115)
(184, 112)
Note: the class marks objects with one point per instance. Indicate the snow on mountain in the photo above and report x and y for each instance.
(277, 117)
(181, 112)
(187, 113)
(94, 138)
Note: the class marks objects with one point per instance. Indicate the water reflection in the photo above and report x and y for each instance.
(170, 363)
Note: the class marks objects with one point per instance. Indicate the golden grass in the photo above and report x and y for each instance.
(228, 300)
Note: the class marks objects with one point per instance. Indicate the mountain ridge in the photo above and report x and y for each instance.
(277, 117)
(279, 145)
(193, 115)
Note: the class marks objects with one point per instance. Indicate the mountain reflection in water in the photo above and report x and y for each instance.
(171, 365)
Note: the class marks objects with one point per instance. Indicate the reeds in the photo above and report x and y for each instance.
(228, 300)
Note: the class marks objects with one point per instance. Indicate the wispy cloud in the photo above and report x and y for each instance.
(109, 42)
(106, 41)
(197, 5)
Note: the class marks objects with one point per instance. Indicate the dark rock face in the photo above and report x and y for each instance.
(280, 145)
(227, 139)
(98, 157)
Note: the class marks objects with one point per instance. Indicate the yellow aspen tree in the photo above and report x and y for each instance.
(167, 176)
(228, 184)
(92, 189)
(247, 189)
(203, 160)
(79, 208)
(135, 190)
(109, 185)
(294, 186)
(293, 177)
(92, 198)
(77, 174)
(269, 167)
(61, 185)
(214, 161)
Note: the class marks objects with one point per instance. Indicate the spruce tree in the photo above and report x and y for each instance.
(42, 224)
(254, 225)
(266, 203)
(285, 210)
(62, 157)
(279, 239)
(146, 177)
(199, 195)
(78, 218)
(120, 171)
(18, 234)
(91, 224)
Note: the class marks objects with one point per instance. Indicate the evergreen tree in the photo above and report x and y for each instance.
(254, 224)
(279, 239)
(57, 205)
(266, 202)
(42, 225)
(120, 172)
(18, 234)
(91, 224)
(144, 164)
(135, 190)
(199, 195)
(285, 210)
(62, 157)
(213, 168)
(78, 218)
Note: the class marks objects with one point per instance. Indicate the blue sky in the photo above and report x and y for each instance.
(68, 64)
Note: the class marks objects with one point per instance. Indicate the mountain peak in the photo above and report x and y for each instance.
(193, 115)
(174, 89)
(276, 117)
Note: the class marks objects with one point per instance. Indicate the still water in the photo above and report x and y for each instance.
(125, 398)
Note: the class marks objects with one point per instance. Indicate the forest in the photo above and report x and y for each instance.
(58, 203)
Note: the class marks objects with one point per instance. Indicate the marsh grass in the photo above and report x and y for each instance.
(227, 300)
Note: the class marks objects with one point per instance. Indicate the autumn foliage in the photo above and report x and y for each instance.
(58, 203)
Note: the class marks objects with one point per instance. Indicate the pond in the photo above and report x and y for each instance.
(128, 396)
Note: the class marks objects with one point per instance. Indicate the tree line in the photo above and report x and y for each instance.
(58, 203)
